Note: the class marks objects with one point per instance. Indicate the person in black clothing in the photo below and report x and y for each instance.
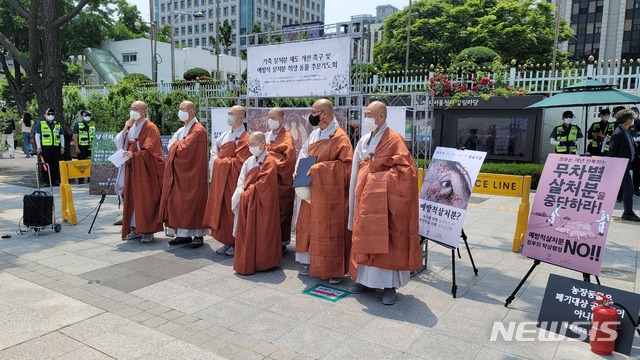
(565, 136)
(598, 133)
(623, 146)
(83, 133)
(50, 145)
(8, 128)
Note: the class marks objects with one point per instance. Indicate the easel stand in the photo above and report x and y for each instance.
(454, 287)
(97, 211)
(586, 277)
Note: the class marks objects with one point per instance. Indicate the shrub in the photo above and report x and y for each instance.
(196, 73)
(479, 55)
(137, 78)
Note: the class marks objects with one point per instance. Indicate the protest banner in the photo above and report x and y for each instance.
(572, 209)
(103, 173)
(445, 193)
(306, 68)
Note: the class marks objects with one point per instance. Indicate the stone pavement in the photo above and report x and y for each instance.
(73, 295)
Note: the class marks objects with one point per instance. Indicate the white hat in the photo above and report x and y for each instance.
(304, 192)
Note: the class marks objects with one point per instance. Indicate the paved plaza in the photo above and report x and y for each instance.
(74, 295)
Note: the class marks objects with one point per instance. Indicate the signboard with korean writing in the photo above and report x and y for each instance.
(567, 309)
(103, 173)
(306, 68)
(572, 209)
(445, 193)
(219, 122)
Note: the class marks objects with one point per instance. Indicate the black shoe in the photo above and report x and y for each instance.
(630, 217)
(180, 240)
(197, 242)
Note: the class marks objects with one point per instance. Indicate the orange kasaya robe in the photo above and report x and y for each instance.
(385, 222)
(143, 182)
(224, 179)
(257, 230)
(283, 150)
(321, 228)
(185, 185)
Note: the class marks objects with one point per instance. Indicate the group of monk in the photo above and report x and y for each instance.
(361, 217)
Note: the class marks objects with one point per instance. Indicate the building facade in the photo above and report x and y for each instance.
(271, 15)
(606, 29)
(366, 30)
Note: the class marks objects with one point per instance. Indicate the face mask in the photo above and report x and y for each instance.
(255, 150)
(314, 120)
(606, 117)
(370, 124)
(134, 115)
(51, 117)
(567, 120)
(231, 120)
(273, 124)
(183, 115)
(87, 118)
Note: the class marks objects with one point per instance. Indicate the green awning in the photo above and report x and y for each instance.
(587, 93)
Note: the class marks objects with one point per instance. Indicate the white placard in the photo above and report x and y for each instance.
(118, 158)
(218, 122)
(445, 193)
(396, 120)
(306, 68)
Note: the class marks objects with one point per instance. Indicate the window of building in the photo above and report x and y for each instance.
(204, 41)
(290, 9)
(129, 58)
(203, 27)
(197, 29)
(175, 5)
(212, 27)
(181, 4)
(197, 42)
(197, 2)
(176, 31)
(225, 11)
(233, 52)
(279, 5)
(266, 14)
(189, 3)
(163, 7)
(162, 20)
(233, 9)
(183, 30)
(189, 29)
(278, 19)
(233, 24)
(259, 12)
(190, 43)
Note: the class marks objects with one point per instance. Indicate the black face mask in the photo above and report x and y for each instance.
(314, 120)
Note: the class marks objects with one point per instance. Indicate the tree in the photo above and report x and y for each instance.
(518, 29)
(225, 35)
(195, 73)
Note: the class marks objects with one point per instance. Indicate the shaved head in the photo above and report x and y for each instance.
(376, 108)
(276, 113)
(187, 106)
(257, 136)
(325, 108)
(238, 110)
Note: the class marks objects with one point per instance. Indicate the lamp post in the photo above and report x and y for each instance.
(173, 45)
(154, 47)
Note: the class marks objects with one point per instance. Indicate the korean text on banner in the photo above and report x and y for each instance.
(572, 209)
(445, 193)
(306, 68)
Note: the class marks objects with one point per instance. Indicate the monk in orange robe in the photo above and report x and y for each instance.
(383, 209)
(228, 153)
(282, 148)
(185, 185)
(142, 175)
(322, 238)
(255, 202)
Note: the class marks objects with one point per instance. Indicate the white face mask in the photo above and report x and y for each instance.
(606, 117)
(255, 150)
(273, 124)
(87, 118)
(50, 117)
(183, 115)
(134, 115)
(567, 120)
(370, 124)
(231, 120)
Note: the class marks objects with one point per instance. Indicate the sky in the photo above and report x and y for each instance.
(335, 10)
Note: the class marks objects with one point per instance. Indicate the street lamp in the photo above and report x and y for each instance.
(197, 14)
(154, 47)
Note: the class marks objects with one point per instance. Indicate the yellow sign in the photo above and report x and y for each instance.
(497, 184)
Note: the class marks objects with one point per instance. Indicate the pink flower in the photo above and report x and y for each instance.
(485, 81)
(473, 79)
(445, 94)
(476, 88)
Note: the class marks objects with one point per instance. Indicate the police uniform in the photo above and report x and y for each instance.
(50, 139)
(567, 136)
(85, 131)
(595, 144)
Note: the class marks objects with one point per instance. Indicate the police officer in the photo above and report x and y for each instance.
(565, 136)
(50, 144)
(599, 133)
(83, 133)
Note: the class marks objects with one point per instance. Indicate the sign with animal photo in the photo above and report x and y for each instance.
(572, 209)
(445, 193)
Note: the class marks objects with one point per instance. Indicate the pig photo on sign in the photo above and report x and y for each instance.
(448, 183)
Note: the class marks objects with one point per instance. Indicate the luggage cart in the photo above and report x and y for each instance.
(39, 210)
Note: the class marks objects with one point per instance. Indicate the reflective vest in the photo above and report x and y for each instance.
(85, 134)
(49, 137)
(561, 135)
(611, 126)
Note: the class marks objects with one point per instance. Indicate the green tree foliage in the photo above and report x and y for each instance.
(477, 56)
(441, 29)
(225, 35)
(195, 73)
(137, 78)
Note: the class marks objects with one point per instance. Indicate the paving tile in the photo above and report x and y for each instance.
(266, 326)
(354, 348)
(311, 340)
(227, 313)
(180, 350)
(49, 346)
(433, 345)
(396, 335)
(84, 353)
(132, 282)
(129, 342)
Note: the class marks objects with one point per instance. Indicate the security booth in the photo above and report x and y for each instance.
(500, 126)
